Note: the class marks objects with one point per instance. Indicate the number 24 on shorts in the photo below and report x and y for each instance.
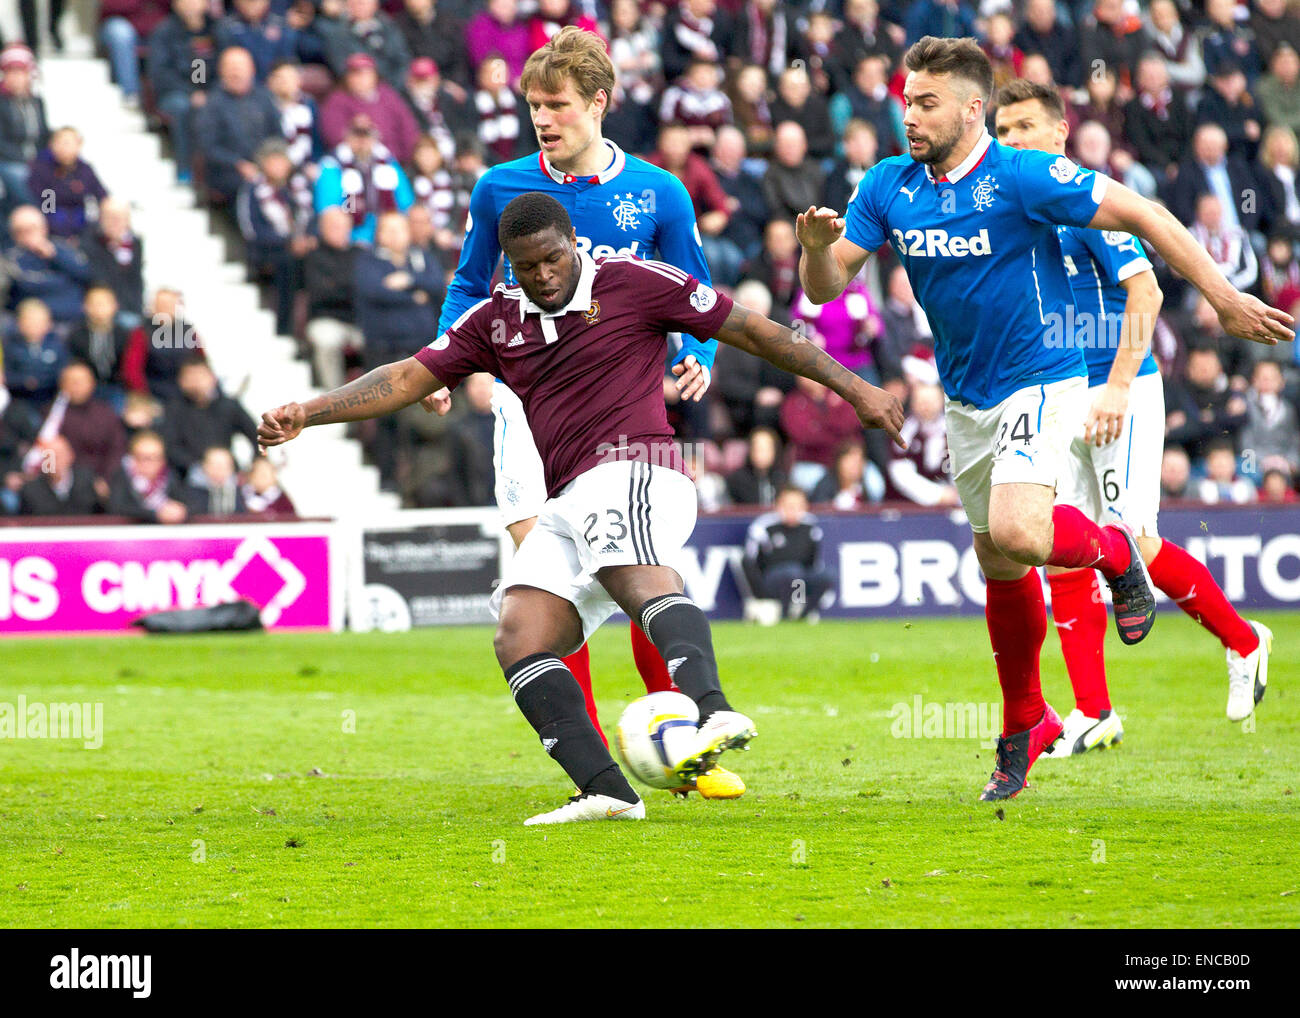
(1019, 433)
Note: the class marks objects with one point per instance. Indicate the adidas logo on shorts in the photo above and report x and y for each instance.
(612, 547)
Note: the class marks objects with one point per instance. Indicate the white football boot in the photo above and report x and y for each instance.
(1248, 676)
(590, 807)
(1082, 733)
(725, 729)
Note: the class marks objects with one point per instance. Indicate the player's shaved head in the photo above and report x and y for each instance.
(529, 213)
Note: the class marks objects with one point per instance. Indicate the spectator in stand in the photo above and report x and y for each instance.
(65, 185)
(761, 478)
(1221, 483)
(498, 31)
(797, 101)
(398, 293)
(274, 213)
(1201, 407)
(261, 491)
(17, 432)
(501, 113)
(299, 118)
(253, 26)
(183, 43)
(1227, 245)
(366, 29)
(24, 130)
(697, 103)
(868, 98)
(328, 274)
(696, 30)
(100, 341)
(906, 329)
(1007, 59)
(1279, 90)
(634, 51)
(201, 417)
(940, 18)
(1274, 25)
(160, 347)
(36, 266)
(777, 266)
(1043, 32)
(1093, 150)
(766, 34)
(1271, 437)
(863, 32)
(710, 201)
(124, 26)
(469, 477)
(749, 389)
(237, 117)
(920, 472)
(818, 47)
(1276, 488)
(115, 256)
(751, 109)
(1227, 103)
(1157, 121)
(844, 486)
(89, 424)
(1211, 170)
(1105, 107)
(364, 178)
(848, 327)
(1175, 473)
(783, 552)
(1110, 37)
(793, 181)
(216, 484)
(860, 152)
(1280, 272)
(553, 15)
(1225, 38)
(62, 487)
(362, 93)
(441, 108)
(33, 357)
(746, 206)
(436, 192)
(815, 421)
(437, 35)
(145, 488)
(1164, 30)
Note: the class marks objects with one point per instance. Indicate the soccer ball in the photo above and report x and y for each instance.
(653, 732)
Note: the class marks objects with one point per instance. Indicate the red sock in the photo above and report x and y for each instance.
(1078, 543)
(579, 662)
(650, 663)
(1193, 589)
(1080, 619)
(1017, 621)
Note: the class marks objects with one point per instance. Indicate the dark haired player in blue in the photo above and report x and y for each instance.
(974, 224)
(618, 205)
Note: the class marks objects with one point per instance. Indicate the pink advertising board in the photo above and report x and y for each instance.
(100, 579)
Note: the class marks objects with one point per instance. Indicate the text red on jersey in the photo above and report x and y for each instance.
(590, 375)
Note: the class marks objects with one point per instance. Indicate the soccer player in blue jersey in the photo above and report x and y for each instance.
(618, 205)
(1114, 462)
(974, 224)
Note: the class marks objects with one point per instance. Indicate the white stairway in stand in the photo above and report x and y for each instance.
(322, 470)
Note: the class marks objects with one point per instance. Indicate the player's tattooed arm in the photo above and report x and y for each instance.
(384, 390)
(790, 351)
(1240, 314)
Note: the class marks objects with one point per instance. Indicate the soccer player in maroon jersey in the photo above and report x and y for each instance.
(582, 341)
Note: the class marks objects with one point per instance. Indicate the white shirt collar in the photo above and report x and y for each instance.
(616, 163)
(967, 164)
(581, 300)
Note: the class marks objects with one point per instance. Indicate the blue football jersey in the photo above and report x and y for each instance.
(631, 207)
(1097, 262)
(981, 251)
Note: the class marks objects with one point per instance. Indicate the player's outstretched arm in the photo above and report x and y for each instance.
(1240, 314)
(388, 388)
(829, 260)
(1141, 306)
(749, 331)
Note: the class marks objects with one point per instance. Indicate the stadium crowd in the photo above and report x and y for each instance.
(342, 138)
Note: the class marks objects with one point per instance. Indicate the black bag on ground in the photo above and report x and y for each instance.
(234, 617)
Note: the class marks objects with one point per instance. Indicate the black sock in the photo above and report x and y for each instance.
(680, 632)
(551, 699)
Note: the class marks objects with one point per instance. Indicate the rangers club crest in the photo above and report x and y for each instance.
(984, 193)
(625, 212)
(592, 314)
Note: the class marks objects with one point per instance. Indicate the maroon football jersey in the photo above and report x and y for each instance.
(590, 375)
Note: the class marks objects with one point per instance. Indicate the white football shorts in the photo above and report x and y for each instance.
(520, 481)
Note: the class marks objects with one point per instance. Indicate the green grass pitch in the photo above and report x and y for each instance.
(381, 780)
